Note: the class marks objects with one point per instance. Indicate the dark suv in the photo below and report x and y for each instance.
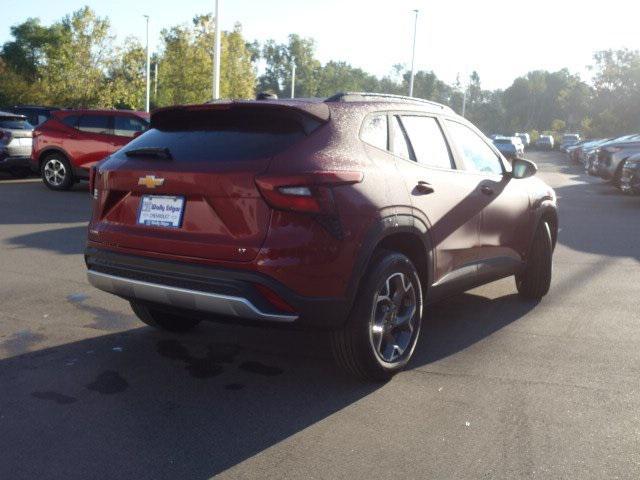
(66, 146)
(350, 214)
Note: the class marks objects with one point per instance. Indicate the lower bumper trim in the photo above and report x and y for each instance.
(225, 305)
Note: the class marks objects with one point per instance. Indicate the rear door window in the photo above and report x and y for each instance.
(95, 124)
(374, 131)
(400, 145)
(71, 121)
(126, 126)
(428, 142)
(476, 154)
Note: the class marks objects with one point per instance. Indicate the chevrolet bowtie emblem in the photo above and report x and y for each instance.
(150, 181)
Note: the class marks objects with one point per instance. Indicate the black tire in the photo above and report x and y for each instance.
(163, 320)
(353, 345)
(56, 172)
(617, 177)
(20, 172)
(535, 280)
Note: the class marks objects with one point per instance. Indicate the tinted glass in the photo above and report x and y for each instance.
(502, 141)
(128, 126)
(13, 123)
(70, 121)
(374, 131)
(221, 137)
(400, 146)
(477, 155)
(94, 124)
(429, 145)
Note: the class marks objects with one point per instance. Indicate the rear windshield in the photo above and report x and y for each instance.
(502, 141)
(14, 123)
(221, 136)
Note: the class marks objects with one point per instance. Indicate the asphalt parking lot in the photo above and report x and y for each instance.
(498, 388)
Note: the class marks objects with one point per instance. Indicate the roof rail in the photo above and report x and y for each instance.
(344, 97)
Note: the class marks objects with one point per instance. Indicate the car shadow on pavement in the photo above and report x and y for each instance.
(148, 405)
(30, 202)
(65, 241)
(455, 324)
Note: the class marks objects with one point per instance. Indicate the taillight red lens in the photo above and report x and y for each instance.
(308, 192)
(92, 182)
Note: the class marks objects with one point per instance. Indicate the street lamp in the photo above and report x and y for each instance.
(293, 77)
(413, 54)
(216, 54)
(148, 67)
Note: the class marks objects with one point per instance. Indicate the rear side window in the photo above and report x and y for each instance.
(71, 121)
(374, 131)
(427, 141)
(221, 136)
(477, 155)
(128, 126)
(94, 124)
(14, 123)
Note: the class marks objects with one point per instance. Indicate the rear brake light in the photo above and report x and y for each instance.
(93, 191)
(308, 192)
(5, 136)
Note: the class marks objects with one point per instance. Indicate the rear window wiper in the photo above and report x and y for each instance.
(150, 152)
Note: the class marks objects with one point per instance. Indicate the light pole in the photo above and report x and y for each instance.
(293, 77)
(413, 54)
(216, 54)
(148, 67)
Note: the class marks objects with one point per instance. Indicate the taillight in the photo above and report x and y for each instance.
(5, 136)
(93, 191)
(307, 192)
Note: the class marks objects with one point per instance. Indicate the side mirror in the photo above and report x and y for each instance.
(521, 168)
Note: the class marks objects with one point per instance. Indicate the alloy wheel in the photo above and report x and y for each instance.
(55, 172)
(395, 319)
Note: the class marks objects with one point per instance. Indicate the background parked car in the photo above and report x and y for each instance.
(524, 137)
(510, 147)
(611, 157)
(16, 135)
(630, 178)
(67, 145)
(545, 142)
(569, 140)
(36, 115)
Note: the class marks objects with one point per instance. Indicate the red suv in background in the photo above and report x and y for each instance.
(350, 214)
(67, 145)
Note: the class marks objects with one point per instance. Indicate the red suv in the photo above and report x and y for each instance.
(350, 214)
(67, 145)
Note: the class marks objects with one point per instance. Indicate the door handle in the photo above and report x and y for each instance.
(424, 187)
(487, 190)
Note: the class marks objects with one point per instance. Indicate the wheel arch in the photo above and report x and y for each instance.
(48, 151)
(405, 234)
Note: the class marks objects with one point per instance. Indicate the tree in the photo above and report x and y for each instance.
(186, 64)
(277, 74)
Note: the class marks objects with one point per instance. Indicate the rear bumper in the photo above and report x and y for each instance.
(208, 292)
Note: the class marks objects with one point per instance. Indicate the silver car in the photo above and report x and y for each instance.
(613, 155)
(16, 138)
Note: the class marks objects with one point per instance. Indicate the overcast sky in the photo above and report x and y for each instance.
(500, 39)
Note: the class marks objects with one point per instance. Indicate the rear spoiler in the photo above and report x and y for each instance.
(310, 115)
